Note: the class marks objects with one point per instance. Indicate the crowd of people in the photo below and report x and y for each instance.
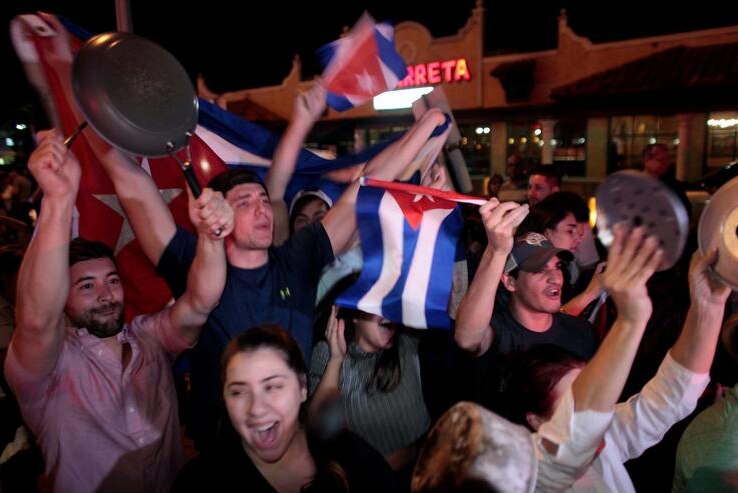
(574, 358)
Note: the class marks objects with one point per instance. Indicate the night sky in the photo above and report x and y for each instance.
(251, 44)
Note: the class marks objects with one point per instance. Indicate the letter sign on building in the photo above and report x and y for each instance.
(436, 72)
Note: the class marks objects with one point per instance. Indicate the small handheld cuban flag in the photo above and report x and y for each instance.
(361, 65)
(408, 240)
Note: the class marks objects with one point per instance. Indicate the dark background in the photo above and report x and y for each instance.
(237, 45)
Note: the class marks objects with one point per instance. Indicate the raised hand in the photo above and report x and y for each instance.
(595, 285)
(335, 335)
(55, 167)
(311, 103)
(435, 177)
(211, 214)
(704, 288)
(500, 221)
(632, 260)
(61, 48)
(434, 115)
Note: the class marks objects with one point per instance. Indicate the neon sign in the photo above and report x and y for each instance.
(436, 72)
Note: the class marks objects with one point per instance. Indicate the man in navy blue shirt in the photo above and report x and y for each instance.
(264, 284)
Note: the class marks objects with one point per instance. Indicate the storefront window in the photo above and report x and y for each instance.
(524, 142)
(379, 133)
(722, 138)
(629, 135)
(570, 146)
(476, 145)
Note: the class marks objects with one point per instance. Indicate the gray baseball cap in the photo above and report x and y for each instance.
(532, 252)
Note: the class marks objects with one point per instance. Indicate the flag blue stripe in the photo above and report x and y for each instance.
(389, 56)
(392, 303)
(326, 53)
(77, 31)
(370, 233)
(338, 102)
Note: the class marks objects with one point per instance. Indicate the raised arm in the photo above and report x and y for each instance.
(568, 442)
(308, 108)
(631, 262)
(135, 189)
(329, 387)
(695, 348)
(473, 331)
(576, 305)
(43, 280)
(206, 278)
(672, 394)
(340, 221)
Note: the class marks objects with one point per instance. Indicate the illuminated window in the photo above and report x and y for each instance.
(722, 138)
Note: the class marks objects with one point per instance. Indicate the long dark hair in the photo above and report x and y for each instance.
(328, 472)
(530, 379)
(387, 371)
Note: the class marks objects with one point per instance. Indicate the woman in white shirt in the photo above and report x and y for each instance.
(539, 379)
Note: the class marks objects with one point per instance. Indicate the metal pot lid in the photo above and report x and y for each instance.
(637, 199)
(718, 228)
(134, 93)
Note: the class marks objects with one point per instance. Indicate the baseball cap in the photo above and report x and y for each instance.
(315, 193)
(532, 251)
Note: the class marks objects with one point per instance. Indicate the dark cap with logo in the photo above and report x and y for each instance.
(532, 252)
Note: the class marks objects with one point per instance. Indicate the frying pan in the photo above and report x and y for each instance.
(718, 228)
(637, 199)
(137, 96)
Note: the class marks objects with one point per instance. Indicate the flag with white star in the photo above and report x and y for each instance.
(408, 236)
(361, 65)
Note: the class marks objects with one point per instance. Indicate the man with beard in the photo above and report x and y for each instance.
(98, 394)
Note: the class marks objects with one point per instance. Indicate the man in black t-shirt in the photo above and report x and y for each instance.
(530, 272)
(533, 276)
(530, 269)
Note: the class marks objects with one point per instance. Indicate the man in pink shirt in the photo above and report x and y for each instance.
(99, 394)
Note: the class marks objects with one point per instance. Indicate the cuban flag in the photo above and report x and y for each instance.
(408, 241)
(241, 143)
(361, 65)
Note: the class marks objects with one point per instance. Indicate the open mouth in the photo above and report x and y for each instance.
(265, 436)
(553, 292)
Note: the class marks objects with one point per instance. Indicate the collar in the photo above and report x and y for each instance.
(88, 340)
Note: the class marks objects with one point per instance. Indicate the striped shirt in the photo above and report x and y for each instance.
(388, 421)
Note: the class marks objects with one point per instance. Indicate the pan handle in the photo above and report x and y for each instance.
(186, 166)
(189, 174)
(70, 140)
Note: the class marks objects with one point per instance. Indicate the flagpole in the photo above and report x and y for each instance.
(123, 18)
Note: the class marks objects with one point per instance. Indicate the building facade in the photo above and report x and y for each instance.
(587, 108)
